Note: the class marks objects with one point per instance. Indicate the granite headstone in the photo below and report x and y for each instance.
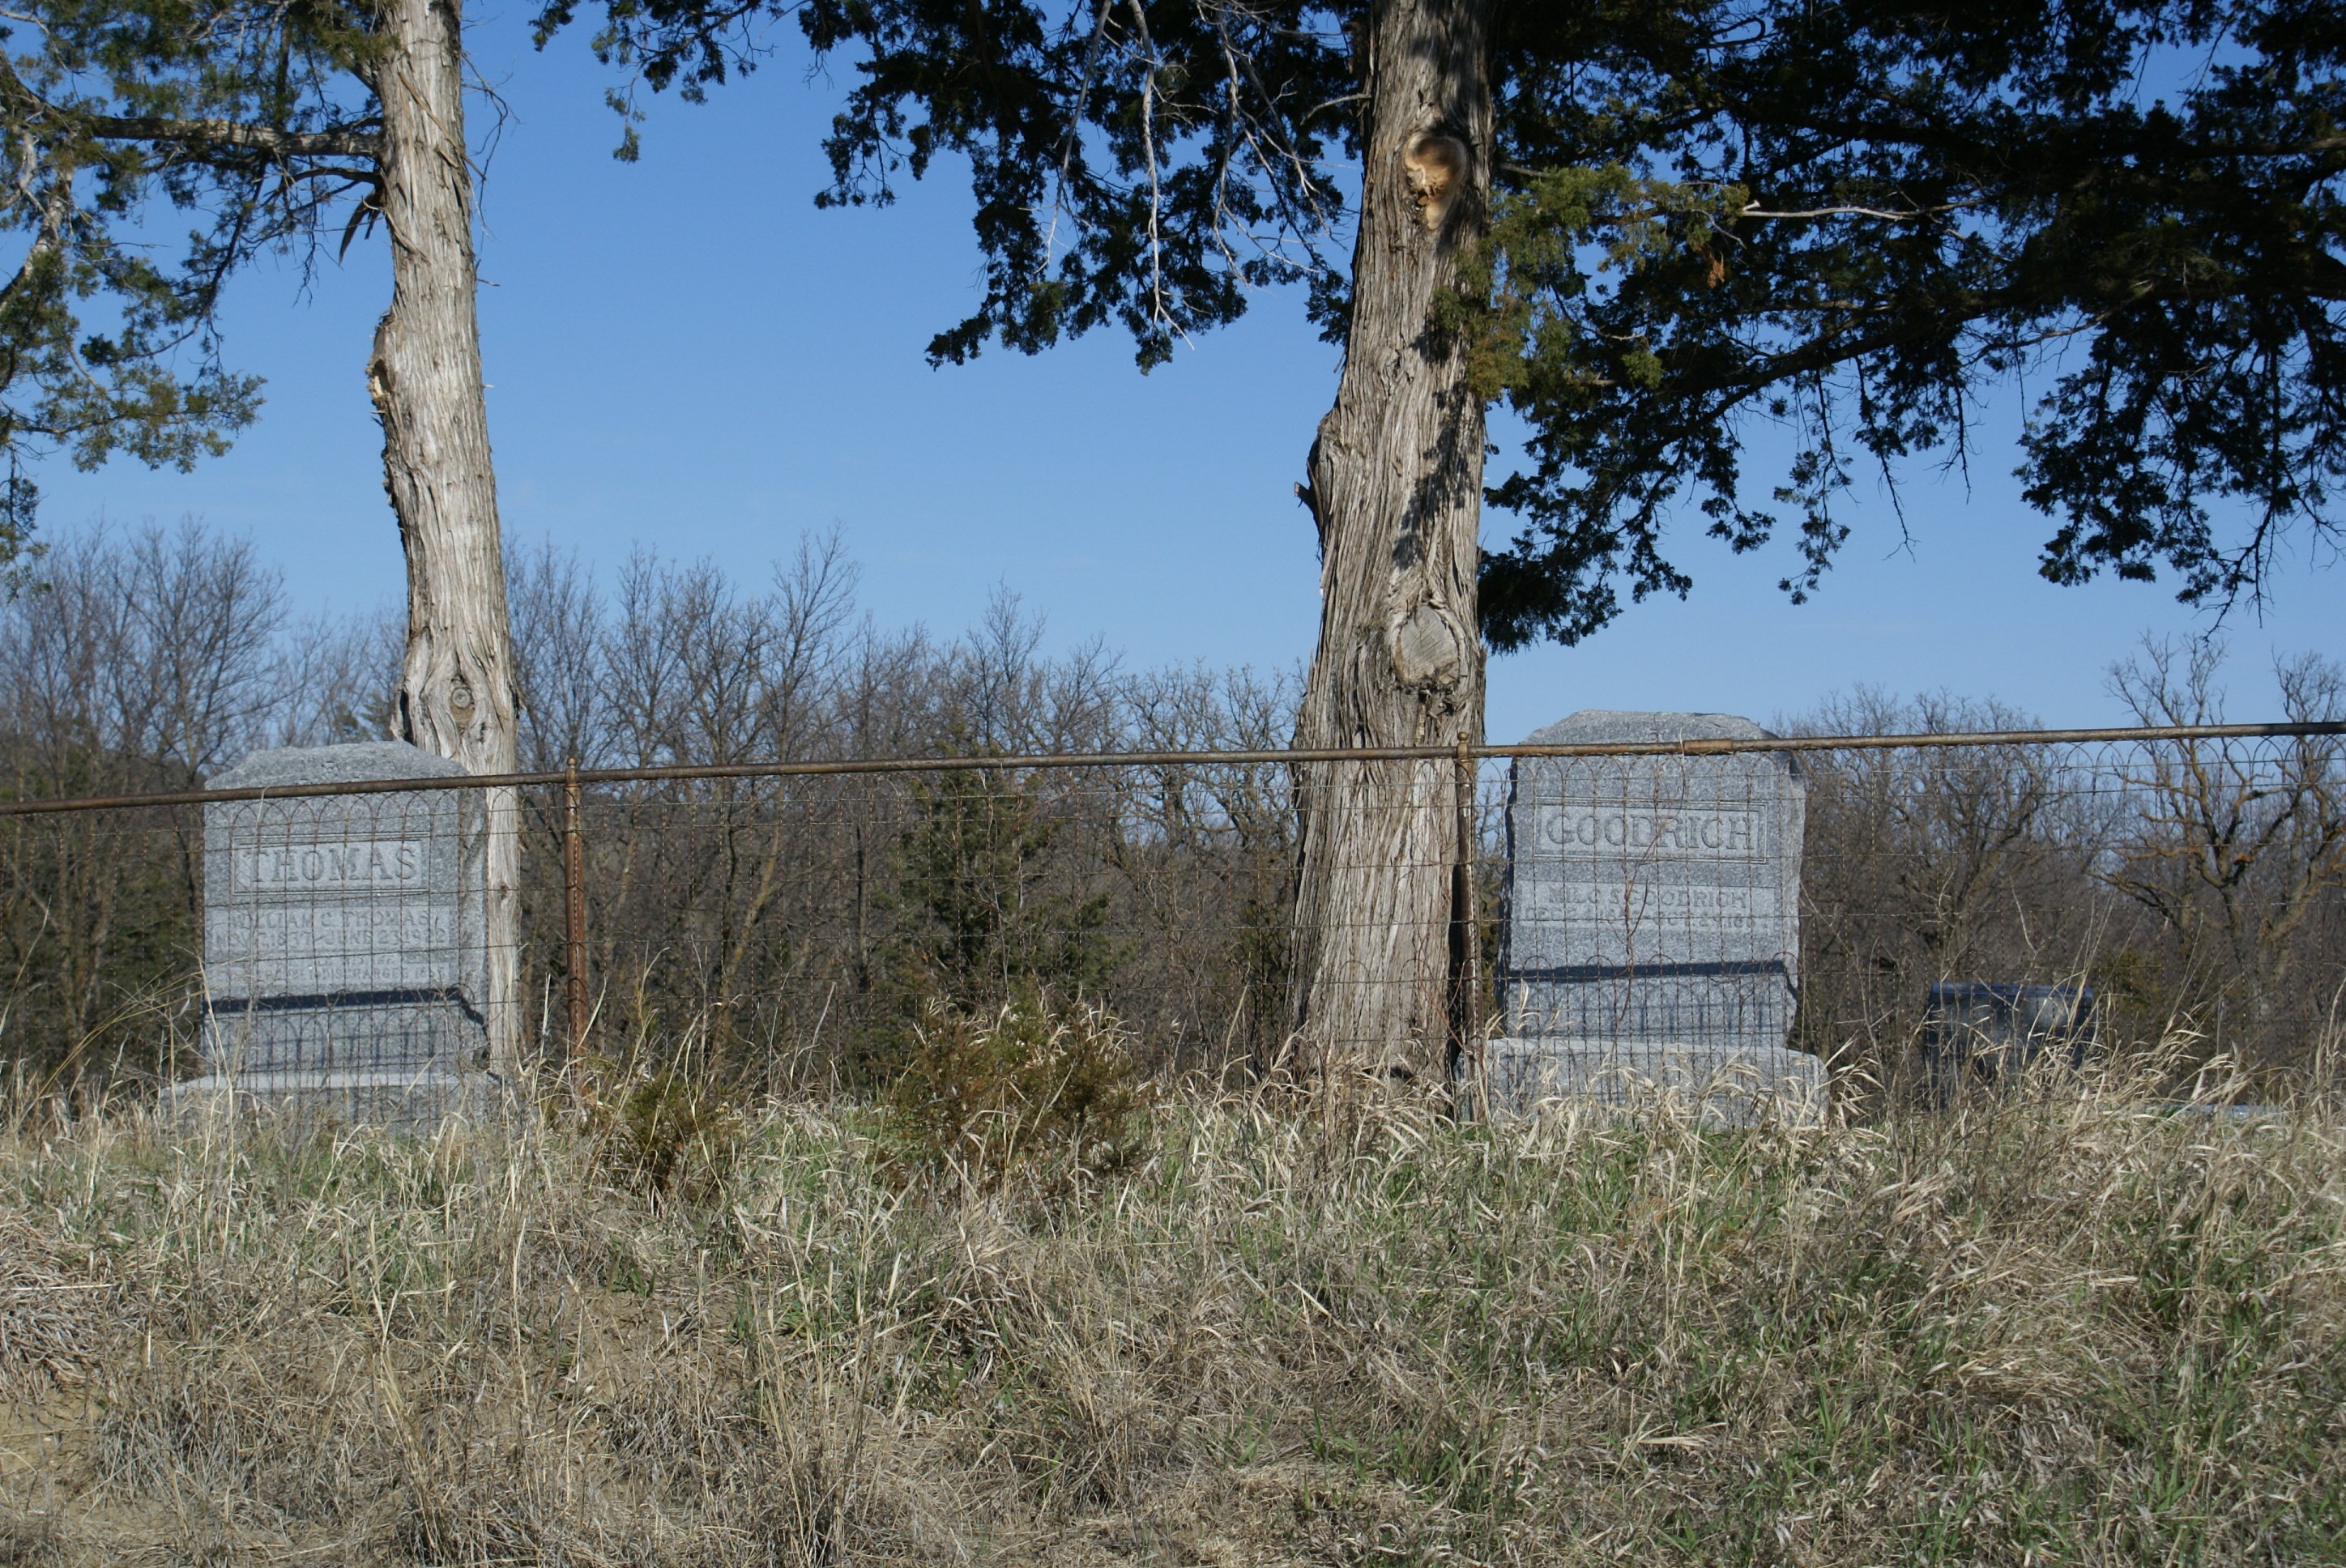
(1652, 932)
(345, 954)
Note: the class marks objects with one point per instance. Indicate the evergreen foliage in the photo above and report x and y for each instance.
(1036, 1089)
(1143, 165)
(988, 919)
(257, 122)
(1848, 219)
(977, 881)
(251, 119)
(1713, 217)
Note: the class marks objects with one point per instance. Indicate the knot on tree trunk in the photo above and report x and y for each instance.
(1435, 165)
(1429, 649)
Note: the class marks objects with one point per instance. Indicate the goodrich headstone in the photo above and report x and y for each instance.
(1652, 936)
(344, 958)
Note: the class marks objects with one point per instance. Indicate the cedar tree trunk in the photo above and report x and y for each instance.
(455, 687)
(1396, 479)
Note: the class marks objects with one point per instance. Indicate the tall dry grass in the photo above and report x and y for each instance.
(2053, 1328)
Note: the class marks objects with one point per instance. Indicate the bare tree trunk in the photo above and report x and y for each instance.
(457, 685)
(1395, 488)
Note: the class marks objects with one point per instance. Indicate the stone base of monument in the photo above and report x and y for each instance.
(407, 1100)
(1737, 1087)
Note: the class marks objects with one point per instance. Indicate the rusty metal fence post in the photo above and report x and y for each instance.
(1466, 949)
(574, 900)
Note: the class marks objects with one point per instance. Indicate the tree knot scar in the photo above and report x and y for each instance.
(378, 384)
(1426, 650)
(1435, 164)
(460, 700)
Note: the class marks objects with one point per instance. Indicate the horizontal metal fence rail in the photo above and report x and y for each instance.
(884, 765)
(787, 922)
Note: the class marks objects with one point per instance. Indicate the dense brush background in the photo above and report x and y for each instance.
(784, 934)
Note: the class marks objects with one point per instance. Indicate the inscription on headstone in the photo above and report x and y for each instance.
(1653, 916)
(343, 939)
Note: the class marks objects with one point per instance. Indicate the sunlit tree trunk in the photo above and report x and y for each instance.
(456, 686)
(1396, 489)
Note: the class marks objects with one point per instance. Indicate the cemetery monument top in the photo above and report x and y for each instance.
(356, 762)
(1597, 725)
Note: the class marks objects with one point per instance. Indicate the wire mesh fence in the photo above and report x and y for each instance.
(1832, 897)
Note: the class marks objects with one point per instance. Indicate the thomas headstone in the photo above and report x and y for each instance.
(1652, 936)
(344, 958)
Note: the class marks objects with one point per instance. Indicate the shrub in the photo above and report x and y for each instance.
(1038, 1086)
(659, 1130)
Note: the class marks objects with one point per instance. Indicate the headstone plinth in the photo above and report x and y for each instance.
(344, 943)
(1652, 933)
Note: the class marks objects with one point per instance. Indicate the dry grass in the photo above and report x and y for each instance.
(2055, 1329)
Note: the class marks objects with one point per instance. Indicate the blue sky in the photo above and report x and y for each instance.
(684, 354)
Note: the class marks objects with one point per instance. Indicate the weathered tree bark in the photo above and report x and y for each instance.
(1396, 478)
(455, 691)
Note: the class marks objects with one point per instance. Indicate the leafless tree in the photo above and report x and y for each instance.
(2235, 846)
(148, 661)
(779, 929)
(1932, 865)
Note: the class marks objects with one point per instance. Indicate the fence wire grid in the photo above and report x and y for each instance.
(785, 927)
